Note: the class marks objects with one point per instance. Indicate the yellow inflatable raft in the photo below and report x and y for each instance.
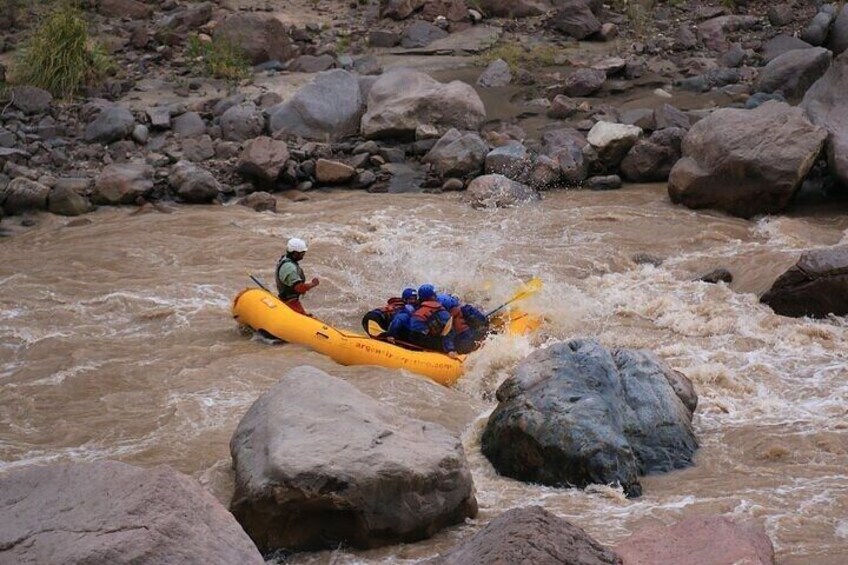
(262, 310)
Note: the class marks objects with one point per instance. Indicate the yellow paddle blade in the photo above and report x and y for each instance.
(375, 329)
(528, 289)
(448, 327)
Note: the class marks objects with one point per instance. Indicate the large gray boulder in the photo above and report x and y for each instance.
(113, 123)
(328, 108)
(838, 39)
(242, 122)
(401, 100)
(110, 513)
(817, 31)
(318, 463)
(23, 195)
(817, 285)
(575, 19)
(122, 183)
(262, 37)
(192, 183)
(794, 72)
(699, 540)
(262, 160)
(498, 191)
(457, 154)
(827, 106)
(746, 162)
(652, 159)
(530, 535)
(575, 414)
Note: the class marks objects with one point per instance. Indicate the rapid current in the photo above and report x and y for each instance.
(116, 341)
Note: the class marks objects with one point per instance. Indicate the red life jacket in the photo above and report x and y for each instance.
(426, 313)
(459, 323)
(392, 307)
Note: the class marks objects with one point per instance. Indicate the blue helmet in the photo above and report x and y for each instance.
(447, 301)
(426, 292)
(409, 293)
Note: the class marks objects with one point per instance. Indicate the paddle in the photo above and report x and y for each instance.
(526, 290)
(257, 281)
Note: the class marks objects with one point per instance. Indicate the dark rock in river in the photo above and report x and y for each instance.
(110, 513)
(263, 159)
(497, 191)
(65, 201)
(827, 105)
(699, 540)
(530, 535)
(575, 414)
(746, 162)
(365, 476)
(817, 285)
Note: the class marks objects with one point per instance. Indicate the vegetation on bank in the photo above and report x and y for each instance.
(519, 56)
(60, 56)
(218, 58)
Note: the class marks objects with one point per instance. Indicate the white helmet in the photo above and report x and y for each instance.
(296, 245)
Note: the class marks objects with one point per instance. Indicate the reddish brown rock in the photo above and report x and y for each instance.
(701, 540)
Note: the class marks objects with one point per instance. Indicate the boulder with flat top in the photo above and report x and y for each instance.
(319, 464)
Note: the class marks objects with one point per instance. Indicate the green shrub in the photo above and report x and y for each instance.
(518, 56)
(60, 57)
(218, 58)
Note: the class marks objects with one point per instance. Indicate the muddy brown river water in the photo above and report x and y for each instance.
(116, 341)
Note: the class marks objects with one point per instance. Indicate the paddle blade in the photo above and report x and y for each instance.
(375, 329)
(528, 289)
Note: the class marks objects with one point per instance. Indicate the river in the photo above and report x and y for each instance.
(116, 341)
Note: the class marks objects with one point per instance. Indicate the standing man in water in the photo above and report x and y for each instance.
(291, 282)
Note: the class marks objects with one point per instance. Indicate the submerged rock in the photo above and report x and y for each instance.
(110, 513)
(529, 535)
(575, 414)
(497, 191)
(366, 476)
(746, 162)
(817, 285)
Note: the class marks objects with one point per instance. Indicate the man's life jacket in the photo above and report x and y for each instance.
(459, 323)
(287, 292)
(428, 314)
(392, 307)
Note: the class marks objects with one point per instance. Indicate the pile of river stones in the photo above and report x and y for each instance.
(320, 465)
